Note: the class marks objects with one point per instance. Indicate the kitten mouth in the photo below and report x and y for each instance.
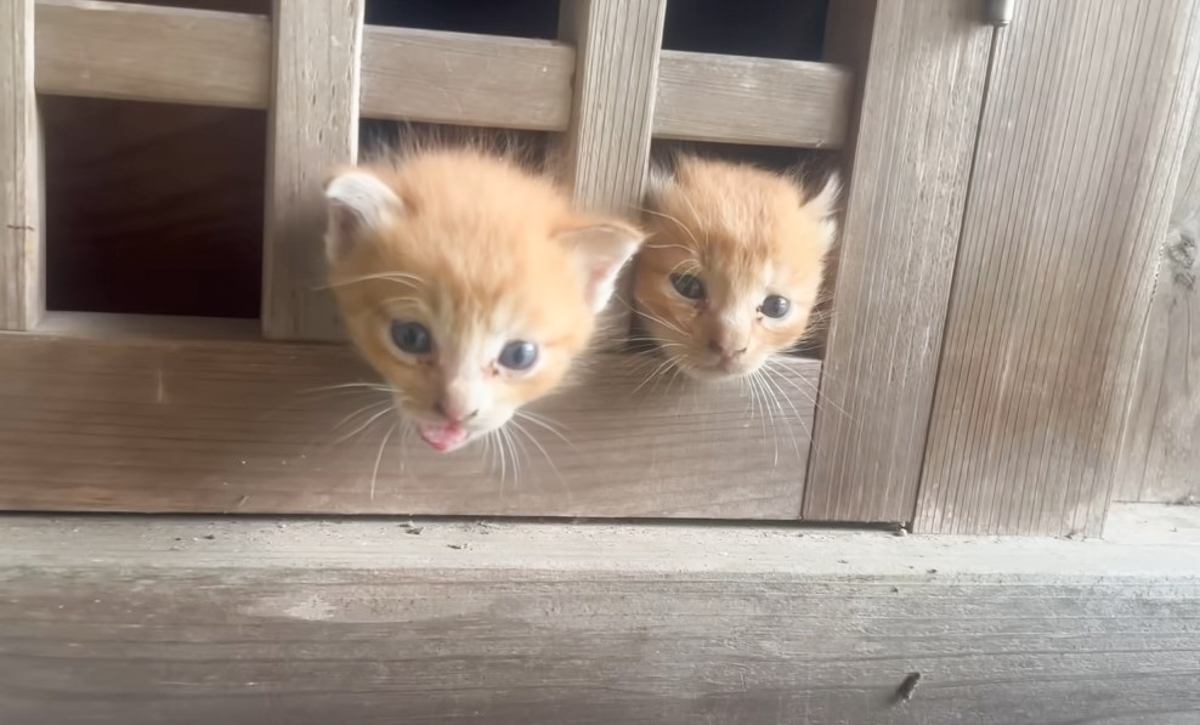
(443, 437)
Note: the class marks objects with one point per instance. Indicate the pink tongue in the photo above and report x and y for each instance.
(443, 438)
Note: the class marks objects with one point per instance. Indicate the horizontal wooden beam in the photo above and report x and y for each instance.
(766, 101)
(143, 53)
(133, 423)
(471, 80)
(101, 49)
(173, 619)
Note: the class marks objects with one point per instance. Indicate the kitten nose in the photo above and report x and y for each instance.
(453, 412)
(725, 351)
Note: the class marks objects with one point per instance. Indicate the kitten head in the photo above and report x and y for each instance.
(734, 265)
(468, 283)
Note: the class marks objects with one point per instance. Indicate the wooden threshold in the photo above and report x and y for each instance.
(91, 48)
(130, 422)
(186, 619)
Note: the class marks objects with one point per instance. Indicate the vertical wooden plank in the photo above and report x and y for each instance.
(1160, 449)
(21, 295)
(313, 126)
(925, 72)
(606, 149)
(1080, 149)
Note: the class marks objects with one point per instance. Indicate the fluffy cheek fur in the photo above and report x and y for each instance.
(689, 330)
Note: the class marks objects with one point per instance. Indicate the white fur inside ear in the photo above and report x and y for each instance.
(824, 204)
(358, 201)
(602, 251)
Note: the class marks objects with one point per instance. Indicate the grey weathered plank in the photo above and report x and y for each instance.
(129, 422)
(606, 150)
(177, 55)
(926, 62)
(477, 80)
(21, 293)
(731, 99)
(313, 127)
(151, 620)
(1079, 152)
(1160, 448)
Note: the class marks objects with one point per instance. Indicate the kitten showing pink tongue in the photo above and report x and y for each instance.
(443, 437)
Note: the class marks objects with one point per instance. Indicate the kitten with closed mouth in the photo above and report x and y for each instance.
(733, 267)
(468, 282)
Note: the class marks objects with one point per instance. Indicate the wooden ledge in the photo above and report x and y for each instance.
(146, 620)
(131, 422)
(92, 48)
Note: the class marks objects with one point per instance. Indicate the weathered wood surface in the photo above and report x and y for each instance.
(117, 50)
(1160, 449)
(130, 423)
(1079, 151)
(151, 620)
(926, 61)
(21, 294)
(313, 128)
(606, 149)
(731, 99)
(476, 80)
(136, 52)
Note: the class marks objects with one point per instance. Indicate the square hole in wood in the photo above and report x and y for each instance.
(153, 208)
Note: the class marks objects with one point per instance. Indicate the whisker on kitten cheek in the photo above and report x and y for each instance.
(379, 458)
(409, 280)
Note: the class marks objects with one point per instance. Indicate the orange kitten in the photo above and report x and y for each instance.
(734, 265)
(468, 283)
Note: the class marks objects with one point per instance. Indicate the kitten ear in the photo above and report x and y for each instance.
(601, 249)
(824, 207)
(824, 203)
(358, 201)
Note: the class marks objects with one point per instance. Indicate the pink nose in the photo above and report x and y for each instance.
(453, 412)
(725, 350)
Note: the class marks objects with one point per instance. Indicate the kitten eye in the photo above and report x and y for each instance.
(518, 355)
(688, 285)
(775, 306)
(412, 337)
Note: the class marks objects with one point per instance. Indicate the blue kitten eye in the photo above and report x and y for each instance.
(518, 355)
(775, 306)
(412, 337)
(688, 285)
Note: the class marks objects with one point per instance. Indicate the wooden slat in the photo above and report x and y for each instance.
(125, 51)
(194, 620)
(135, 52)
(923, 86)
(313, 127)
(21, 290)
(475, 80)
(1160, 454)
(126, 423)
(607, 146)
(1080, 148)
(708, 97)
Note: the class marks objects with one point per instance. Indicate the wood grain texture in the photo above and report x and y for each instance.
(606, 150)
(112, 619)
(143, 53)
(926, 63)
(707, 97)
(472, 80)
(134, 424)
(1080, 150)
(21, 291)
(313, 128)
(1160, 454)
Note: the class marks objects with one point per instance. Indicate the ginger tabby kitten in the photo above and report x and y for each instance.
(734, 265)
(469, 283)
